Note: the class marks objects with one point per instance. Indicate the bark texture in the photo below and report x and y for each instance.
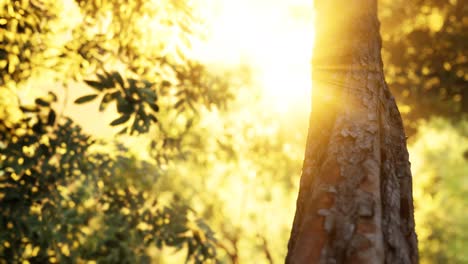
(355, 199)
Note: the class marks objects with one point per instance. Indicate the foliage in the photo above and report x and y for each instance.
(133, 98)
(424, 52)
(68, 197)
(439, 163)
(62, 202)
(25, 26)
(247, 172)
(110, 41)
(424, 49)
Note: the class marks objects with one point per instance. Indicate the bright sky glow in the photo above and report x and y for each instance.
(275, 37)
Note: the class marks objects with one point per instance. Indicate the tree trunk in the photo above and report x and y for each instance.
(355, 200)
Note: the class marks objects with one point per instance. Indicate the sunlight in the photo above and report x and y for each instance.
(275, 38)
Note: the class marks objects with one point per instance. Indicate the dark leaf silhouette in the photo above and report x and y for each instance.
(120, 120)
(85, 99)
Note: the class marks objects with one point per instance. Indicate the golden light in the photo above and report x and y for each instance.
(275, 38)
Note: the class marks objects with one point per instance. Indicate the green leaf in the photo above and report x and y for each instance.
(108, 97)
(51, 118)
(29, 109)
(95, 85)
(52, 96)
(103, 78)
(42, 102)
(165, 84)
(148, 94)
(124, 106)
(132, 85)
(85, 98)
(38, 127)
(120, 120)
(179, 103)
(103, 83)
(153, 118)
(118, 78)
(155, 107)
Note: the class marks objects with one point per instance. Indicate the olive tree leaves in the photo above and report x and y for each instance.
(136, 100)
(54, 189)
(85, 98)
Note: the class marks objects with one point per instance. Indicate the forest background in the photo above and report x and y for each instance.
(165, 131)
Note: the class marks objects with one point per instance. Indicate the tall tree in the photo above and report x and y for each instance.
(355, 200)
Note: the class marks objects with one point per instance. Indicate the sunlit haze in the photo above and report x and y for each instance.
(275, 38)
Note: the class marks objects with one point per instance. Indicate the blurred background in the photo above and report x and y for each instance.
(172, 131)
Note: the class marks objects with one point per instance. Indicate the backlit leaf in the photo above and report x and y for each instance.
(120, 120)
(85, 98)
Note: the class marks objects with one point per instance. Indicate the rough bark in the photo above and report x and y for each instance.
(355, 199)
